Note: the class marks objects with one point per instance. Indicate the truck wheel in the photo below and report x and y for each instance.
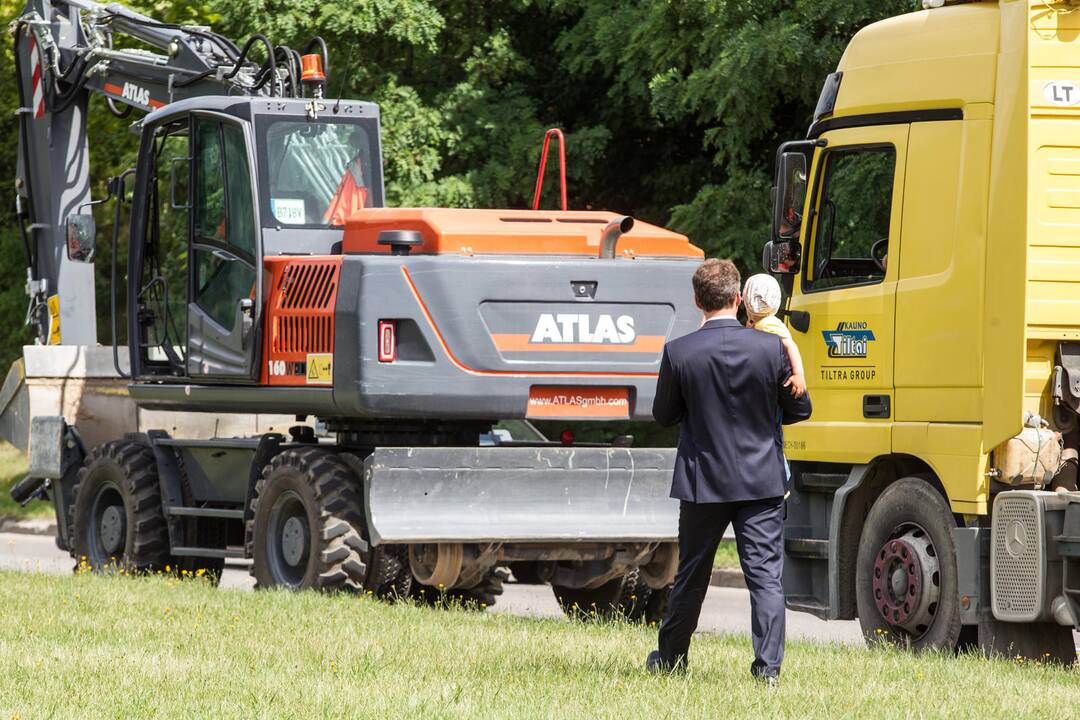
(906, 578)
(116, 519)
(306, 524)
(624, 597)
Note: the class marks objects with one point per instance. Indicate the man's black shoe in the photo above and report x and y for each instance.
(769, 678)
(655, 664)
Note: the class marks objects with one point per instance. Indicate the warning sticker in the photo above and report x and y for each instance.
(320, 369)
(54, 320)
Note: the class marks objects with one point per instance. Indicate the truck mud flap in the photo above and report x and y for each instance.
(518, 494)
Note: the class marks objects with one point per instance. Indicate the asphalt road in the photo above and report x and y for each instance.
(726, 609)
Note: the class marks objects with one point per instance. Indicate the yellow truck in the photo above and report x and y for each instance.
(927, 232)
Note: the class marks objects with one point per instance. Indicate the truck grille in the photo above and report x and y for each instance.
(1017, 560)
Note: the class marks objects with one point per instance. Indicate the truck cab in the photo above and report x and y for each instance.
(923, 230)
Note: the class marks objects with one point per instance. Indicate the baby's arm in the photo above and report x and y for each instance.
(797, 381)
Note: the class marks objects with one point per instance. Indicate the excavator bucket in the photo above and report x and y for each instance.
(522, 495)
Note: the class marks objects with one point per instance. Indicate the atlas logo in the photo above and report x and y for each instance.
(136, 94)
(848, 340)
(574, 328)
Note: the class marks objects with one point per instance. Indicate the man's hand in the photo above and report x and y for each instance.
(797, 385)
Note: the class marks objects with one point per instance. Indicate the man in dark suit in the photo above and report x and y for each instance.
(725, 385)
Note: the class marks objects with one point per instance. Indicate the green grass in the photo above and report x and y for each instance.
(12, 470)
(151, 647)
(727, 555)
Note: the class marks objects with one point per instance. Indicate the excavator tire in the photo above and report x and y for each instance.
(388, 574)
(479, 597)
(307, 522)
(117, 521)
(625, 598)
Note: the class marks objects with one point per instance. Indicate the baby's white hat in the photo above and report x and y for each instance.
(761, 295)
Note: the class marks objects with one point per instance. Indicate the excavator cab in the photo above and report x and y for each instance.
(220, 183)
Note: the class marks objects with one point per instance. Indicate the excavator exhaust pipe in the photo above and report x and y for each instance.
(614, 230)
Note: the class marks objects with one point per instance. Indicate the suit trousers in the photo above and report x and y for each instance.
(759, 526)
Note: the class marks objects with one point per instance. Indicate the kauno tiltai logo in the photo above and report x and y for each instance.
(848, 340)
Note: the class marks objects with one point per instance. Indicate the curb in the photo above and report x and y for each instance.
(42, 526)
(728, 577)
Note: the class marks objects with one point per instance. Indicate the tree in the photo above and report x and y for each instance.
(673, 110)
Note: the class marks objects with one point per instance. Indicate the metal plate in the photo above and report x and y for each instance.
(551, 494)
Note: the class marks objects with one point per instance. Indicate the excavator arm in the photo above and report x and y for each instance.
(69, 49)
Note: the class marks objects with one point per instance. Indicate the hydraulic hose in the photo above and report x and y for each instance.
(257, 37)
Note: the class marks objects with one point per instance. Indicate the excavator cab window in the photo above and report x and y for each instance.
(164, 275)
(319, 172)
(224, 225)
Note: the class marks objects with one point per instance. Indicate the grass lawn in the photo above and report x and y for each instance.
(119, 647)
(727, 555)
(12, 470)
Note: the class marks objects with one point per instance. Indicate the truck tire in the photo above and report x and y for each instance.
(306, 524)
(625, 598)
(117, 521)
(905, 574)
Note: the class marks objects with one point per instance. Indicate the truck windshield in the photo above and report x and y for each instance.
(319, 173)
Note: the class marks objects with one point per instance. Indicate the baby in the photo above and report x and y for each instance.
(761, 297)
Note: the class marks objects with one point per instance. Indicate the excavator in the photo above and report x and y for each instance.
(399, 352)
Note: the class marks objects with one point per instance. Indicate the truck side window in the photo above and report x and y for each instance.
(224, 222)
(851, 243)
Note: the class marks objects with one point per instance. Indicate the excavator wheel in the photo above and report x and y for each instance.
(625, 598)
(388, 574)
(483, 595)
(116, 519)
(905, 573)
(306, 527)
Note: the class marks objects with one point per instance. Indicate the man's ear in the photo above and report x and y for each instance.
(698, 303)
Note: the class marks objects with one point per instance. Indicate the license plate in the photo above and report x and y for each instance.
(562, 402)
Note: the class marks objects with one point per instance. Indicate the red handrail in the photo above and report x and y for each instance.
(543, 166)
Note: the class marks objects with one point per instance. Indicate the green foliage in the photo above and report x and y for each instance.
(673, 110)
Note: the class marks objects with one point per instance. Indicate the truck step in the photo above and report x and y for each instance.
(808, 604)
(205, 512)
(808, 548)
(207, 552)
(822, 482)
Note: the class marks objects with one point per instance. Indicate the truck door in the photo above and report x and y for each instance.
(847, 289)
(223, 298)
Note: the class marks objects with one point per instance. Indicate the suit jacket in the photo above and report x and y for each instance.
(725, 385)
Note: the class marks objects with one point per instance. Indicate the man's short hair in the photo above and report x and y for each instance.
(716, 284)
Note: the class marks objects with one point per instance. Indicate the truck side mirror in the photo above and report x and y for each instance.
(81, 238)
(789, 194)
(781, 257)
